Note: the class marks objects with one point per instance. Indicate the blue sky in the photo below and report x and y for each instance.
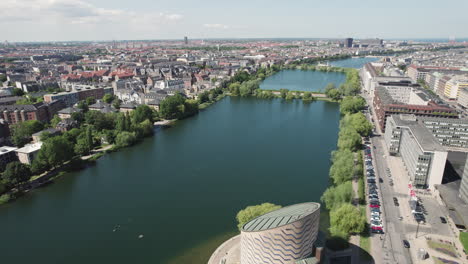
(50, 20)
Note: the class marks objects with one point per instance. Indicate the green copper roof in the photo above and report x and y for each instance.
(281, 217)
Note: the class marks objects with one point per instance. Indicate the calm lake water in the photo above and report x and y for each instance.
(353, 62)
(297, 80)
(178, 189)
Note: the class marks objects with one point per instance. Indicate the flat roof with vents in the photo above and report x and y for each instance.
(280, 217)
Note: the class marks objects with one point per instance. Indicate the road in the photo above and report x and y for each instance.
(388, 246)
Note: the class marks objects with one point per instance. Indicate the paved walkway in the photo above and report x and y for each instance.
(95, 151)
(227, 253)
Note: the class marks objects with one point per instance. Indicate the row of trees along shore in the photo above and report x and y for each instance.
(347, 164)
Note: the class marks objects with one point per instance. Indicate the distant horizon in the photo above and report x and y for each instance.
(429, 39)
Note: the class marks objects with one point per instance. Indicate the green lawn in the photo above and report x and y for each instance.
(464, 240)
(443, 248)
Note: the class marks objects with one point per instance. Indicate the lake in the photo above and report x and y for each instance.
(180, 189)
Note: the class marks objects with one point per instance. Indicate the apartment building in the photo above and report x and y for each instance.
(463, 97)
(423, 156)
(407, 101)
(73, 97)
(449, 132)
(453, 87)
(463, 192)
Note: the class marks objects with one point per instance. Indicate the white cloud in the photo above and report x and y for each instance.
(216, 26)
(74, 12)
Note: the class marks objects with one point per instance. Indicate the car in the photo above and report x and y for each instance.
(376, 230)
(380, 180)
(371, 180)
(406, 244)
(375, 214)
(373, 196)
(375, 218)
(443, 220)
(376, 224)
(375, 210)
(370, 177)
(374, 205)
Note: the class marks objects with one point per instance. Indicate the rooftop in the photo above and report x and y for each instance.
(28, 148)
(281, 217)
(419, 130)
(5, 149)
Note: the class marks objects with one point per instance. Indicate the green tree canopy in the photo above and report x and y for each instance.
(352, 104)
(21, 132)
(170, 107)
(53, 153)
(346, 220)
(17, 92)
(125, 139)
(349, 139)
(142, 113)
(108, 98)
(234, 88)
(15, 173)
(342, 166)
(358, 122)
(334, 196)
(253, 211)
(284, 93)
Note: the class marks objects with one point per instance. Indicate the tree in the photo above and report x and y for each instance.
(358, 122)
(108, 98)
(78, 116)
(329, 87)
(83, 105)
(350, 104)
(247, 88)
(145, 128)
(17, 92)
(349, 139)
(142, 113)
(290, 96)
(234, 88)
(333, 94)
(15, 173)
(55, 120)
(203, 97)
(90, 100)
(342, 166)
(125, 139)
(307, 97)
(116, 103)
(22, 132)
(346, 220)
(170, 107)
(254, 211)
(336, 195)
(284, 93)
(84, 142)
(54, 152)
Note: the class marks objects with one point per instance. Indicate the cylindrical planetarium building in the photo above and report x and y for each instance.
(282, 236)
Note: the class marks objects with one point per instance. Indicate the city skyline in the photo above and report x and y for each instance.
(98, 20)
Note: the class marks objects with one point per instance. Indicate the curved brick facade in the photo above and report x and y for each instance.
(284, 244)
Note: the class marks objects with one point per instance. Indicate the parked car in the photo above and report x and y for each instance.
(375, 214)
(374, 205)
(376, 230)
(375, 218)
(373, 196)
(406, 244)
(376, 223)
(371, 180)
(375, 210)
(443, 220)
